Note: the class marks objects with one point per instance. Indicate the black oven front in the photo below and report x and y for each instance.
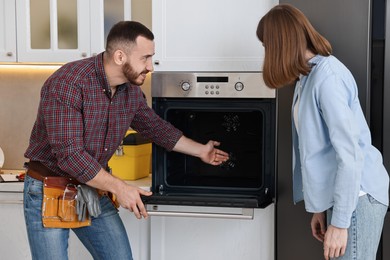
(237, 110)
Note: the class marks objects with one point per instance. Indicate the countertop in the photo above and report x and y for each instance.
(143, 183)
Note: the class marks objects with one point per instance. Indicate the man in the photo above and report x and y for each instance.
(85, 110)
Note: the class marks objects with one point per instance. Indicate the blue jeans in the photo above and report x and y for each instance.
(106, 238)
(365, 230)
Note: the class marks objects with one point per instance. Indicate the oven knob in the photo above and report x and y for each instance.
(239, 86)
(185, 86)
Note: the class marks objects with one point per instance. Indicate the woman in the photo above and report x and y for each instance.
(336, 170)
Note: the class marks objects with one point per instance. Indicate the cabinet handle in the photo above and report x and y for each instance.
(247, 213)
(10, 54)
(11, 201)
(84, 54)
(156, 62)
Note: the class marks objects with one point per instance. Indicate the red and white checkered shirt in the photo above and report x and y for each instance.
(79, 125)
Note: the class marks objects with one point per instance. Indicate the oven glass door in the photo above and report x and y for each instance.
(245, 129)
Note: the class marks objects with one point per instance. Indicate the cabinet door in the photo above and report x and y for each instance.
(52, 30)
(7, 31)
(192, 238)
(206, 35)
(13, 238)
(138, 231)
(104, 14)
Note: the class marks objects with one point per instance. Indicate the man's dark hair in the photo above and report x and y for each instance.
(125, 33)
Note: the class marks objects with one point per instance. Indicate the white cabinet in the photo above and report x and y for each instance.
(13, 234)
(52, 30)
(138, 231)
(7, 31)
(193, 238)
(204, 35)
(57, 30)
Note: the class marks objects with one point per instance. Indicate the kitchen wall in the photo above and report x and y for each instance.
(19, 96)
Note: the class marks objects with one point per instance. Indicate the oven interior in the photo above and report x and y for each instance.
(246, 130)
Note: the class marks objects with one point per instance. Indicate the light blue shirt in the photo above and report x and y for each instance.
(333, 158)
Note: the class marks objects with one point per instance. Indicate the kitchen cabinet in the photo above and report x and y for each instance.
(205, 35)
(7, 31)
(193, 238)
(138, 231)
(59, 30)
(13, 234)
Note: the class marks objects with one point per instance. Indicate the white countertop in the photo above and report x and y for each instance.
(144, 183)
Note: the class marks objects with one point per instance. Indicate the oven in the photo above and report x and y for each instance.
(236, 109)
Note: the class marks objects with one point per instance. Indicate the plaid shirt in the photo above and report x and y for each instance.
(79, 125)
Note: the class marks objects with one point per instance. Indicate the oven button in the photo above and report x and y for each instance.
(212, 92)
(185, 86)
(239, 86)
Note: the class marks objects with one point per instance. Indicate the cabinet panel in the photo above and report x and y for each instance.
(205, 35)
(65, 30)
(191, 238)
(104, 14)
(138, 231)
(13, 238)
(7, 31)
(29, 17)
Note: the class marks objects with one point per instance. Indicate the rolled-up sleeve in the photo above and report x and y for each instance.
(151, 126)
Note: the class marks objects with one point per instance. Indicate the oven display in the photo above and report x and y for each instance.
(212, 79)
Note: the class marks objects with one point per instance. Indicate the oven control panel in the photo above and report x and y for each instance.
(210, 85)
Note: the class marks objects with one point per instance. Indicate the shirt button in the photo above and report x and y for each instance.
(105, 149)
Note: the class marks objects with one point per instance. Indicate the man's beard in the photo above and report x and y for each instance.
(131, 75)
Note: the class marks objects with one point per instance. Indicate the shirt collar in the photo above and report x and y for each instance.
(100, 73)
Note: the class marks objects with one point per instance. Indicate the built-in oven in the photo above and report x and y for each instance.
(236, 109)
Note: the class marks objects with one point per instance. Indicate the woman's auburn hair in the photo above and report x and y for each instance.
(286, 34)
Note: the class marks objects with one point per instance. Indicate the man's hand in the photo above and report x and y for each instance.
(129, 197)
(213, 155)
(206, 152)
(335, 242)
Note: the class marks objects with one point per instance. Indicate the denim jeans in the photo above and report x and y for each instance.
(365, 230)
(106, 238)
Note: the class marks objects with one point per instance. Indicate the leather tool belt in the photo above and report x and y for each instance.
(59, 198)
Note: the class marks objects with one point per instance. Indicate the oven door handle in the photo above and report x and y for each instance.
(247, 213)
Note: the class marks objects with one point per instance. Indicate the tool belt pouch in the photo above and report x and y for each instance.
(59, 203)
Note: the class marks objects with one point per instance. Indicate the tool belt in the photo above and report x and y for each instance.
(59, 198)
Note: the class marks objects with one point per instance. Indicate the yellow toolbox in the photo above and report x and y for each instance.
(132, 159)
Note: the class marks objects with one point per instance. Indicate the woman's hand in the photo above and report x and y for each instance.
(318, 226)
(335, 242)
